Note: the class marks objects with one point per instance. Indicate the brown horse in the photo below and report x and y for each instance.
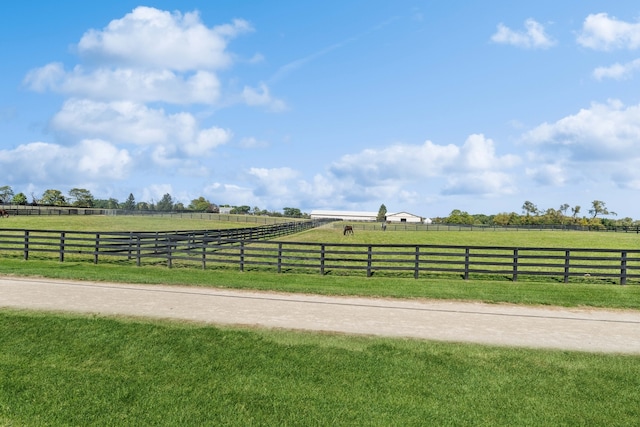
(347, 230)
(4, 213)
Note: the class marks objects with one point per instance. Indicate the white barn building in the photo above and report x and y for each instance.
(368, 216)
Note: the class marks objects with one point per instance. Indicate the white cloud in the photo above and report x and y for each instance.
(602, 132)
(43, 163)
(262, 97)
(617, 71)
(601, 32)
(127, 83)
(553, 174)
(149, 37)
(534, 36)
(473, 168)
(129, 122)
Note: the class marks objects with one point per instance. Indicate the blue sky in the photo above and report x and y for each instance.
(425, 106)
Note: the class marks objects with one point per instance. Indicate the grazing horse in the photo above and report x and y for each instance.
(347, 230)
(4, 213)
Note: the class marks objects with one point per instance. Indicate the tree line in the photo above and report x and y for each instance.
(82, 198)
(531, 215)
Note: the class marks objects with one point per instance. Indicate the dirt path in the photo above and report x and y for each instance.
(541, 327)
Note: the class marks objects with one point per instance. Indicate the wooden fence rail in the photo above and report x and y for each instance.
(249, 248)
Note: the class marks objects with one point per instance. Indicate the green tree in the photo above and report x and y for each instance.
(53, 198)
(130, 203)
(200, 204)
(459, 217)
(82, 197)
(382, 213)
(242, 210)
(530, 208)
(292, 212)
(165, 204)
(6, 192)
(19, 199)
(599, 207)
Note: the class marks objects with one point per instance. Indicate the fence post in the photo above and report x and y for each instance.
(138, 250)
(97, 248)
(169, 254)
(623, 268)
(26, 245)
(416, 270)
(466, 263)
(369, 254)
(322, 249)
(241, 255)
(62, 234)
(279, 257)
(205, 241)
(515, 265)
(567, 254)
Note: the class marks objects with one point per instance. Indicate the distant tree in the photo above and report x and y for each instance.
(242, 210)
(110, 203)
(179, 207)
(200, 204)
(53, 197)
(130, 203)
(256, 210)
(459, 217)
(19, 199)
(382, 213)
(599, 207)
(292, 212)
(529, 208)
(81, 197)
(575, 211)
(213, 208)
(6, 192)
(143, 206)
(165, 204)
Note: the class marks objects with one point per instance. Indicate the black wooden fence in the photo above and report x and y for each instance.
(248, 248)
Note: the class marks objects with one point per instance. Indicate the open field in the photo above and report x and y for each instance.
(78, 370)
(90, 370)
(165, 222)
(525, 291)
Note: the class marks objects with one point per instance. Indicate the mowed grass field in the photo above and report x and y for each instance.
(89, 370)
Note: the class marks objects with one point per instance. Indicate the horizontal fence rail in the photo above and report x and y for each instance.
(253, 248)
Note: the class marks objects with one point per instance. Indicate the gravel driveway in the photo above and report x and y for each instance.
(594, 330)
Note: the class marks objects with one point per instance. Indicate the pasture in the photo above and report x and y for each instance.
(534, 290)
(89, 370)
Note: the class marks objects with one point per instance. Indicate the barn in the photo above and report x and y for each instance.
(368, 216)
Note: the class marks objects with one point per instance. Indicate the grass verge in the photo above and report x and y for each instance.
(75, 370)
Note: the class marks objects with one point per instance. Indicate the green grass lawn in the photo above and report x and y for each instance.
(89, 370)
(78, 370)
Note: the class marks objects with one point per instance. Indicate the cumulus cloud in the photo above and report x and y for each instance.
(473, 168)
(601, 32)
(133, 123)
(553, 174)
(602, 132)
(152, 38)
(533, 36)
(43, 163)
(617, 71)
(126, 83)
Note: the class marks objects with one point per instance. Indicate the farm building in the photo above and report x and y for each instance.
(367, 216)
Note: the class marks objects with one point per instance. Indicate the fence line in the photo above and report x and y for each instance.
(252, 248)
